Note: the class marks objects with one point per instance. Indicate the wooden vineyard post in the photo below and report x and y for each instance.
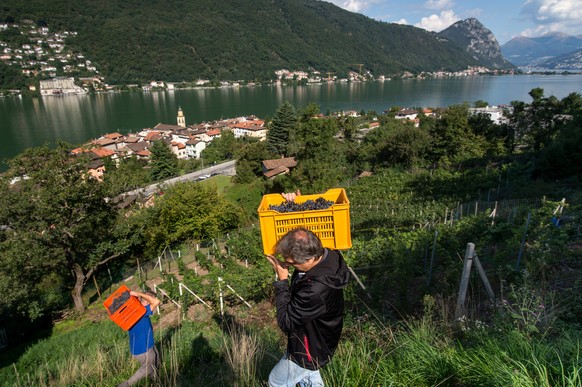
(359, 282)
(484, 277)
(470, 257)
(467, 263)
(97, 287)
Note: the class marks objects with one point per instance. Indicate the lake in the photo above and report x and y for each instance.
(28, 122)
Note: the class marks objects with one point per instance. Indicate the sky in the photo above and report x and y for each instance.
(506, 19)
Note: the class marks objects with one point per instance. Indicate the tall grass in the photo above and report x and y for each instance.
(419, 352)
(243, 352)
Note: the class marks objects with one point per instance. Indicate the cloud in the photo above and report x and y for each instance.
(438, 22)
(401, 21)
(553, 16)
(353, 5)
(439, 4)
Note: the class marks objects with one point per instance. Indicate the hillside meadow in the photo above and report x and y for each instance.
(525, 338)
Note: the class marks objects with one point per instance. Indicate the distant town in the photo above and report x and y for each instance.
(188, 141)
(41, 54)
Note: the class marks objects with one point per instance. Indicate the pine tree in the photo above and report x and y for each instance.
(282, 125)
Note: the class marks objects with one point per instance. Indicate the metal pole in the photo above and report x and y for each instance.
(236, 294)
(220, 293)
(436, 233)
(522, 246)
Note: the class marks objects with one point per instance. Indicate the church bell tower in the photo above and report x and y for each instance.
(181, 118)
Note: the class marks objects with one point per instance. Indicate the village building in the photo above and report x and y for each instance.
(194, 148)
(57, 86)
(275, 167)
(249, 129)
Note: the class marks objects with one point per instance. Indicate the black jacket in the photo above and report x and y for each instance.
(311, 310)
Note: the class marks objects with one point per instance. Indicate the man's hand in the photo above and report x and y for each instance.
(290, 196)
(281, 268)
(152, 300)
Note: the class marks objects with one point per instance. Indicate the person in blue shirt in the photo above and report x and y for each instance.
(141, 341)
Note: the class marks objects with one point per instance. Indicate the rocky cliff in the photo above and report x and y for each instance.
(477, 41)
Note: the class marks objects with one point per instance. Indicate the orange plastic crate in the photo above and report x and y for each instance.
(331, 225)
(129, 313)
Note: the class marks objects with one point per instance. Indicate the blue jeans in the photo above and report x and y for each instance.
(288, 374)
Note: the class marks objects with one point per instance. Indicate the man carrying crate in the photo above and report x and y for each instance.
(141, 341)
(309, 309)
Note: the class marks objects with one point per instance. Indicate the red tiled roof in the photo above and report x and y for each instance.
(103, 141)
(102, 152)
(113, 136)
(287, 162)
(276, 171)
(153, 136)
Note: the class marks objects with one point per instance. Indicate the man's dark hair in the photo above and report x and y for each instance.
(299, 245)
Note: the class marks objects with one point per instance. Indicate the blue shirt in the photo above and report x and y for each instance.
(141, 335)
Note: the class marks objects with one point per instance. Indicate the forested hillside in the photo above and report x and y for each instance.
(138, 40)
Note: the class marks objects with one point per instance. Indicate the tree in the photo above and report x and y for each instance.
(406, 146)
(452, 138)
(57, 228)
(190, 211)
(536, 124)
(310, 111)
(563, 156)
(497, 136)
(321, 159)
(222, 148)
(280, 129)
(249, 161)
(128, 175)
(163, 163)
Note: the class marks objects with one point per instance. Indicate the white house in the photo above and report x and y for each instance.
(194, 148)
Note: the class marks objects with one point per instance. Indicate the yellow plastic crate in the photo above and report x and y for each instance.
(331, 225)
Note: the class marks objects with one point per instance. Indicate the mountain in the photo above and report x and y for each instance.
(478, 41)
(173, 40)
(570, 61)
(523, 51)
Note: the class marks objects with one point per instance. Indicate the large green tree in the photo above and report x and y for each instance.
(249, 161)
(128, 175)
(280, 129)
(405, 146)
(322, 158)
(220, 149)
(536, 124)
(56, 230)
(452, 137)
(163, 163)
(189, 211)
